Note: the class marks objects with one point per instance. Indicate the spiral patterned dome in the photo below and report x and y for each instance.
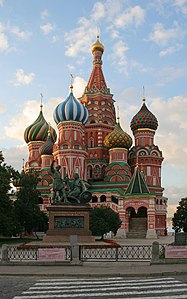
(70, 109)
(118, 138)
(37, 131)
(47, 147)
(144, 119)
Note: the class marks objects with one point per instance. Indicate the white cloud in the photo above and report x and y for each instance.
(22, 78)
(170, 73)
(79, 85)
(162, 36)
(55, 39)
(98, 11)
(119, 56)
(44, 14)
(15, 160)
(47, 28)
(1, 3)
(171, 50)
(79, 39)
(134, 15)
(3, 42)
(2, 108)
(171, 115)
(21, 34)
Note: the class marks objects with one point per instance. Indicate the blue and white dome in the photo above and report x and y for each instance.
(70, 109)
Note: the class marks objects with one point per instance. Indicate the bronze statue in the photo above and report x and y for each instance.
(67, 191)
(58, 186)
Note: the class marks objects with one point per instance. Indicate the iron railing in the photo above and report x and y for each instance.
(92, 253)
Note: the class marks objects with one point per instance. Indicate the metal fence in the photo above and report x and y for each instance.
(15, 253)
(122, 253)
(90, 253)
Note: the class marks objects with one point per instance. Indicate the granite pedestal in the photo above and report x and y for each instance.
(67, 220)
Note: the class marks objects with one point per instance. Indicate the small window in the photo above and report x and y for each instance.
(66, 135)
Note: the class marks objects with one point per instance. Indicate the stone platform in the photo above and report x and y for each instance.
(67, 220)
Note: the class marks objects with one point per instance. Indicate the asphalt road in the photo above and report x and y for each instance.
(32, 287)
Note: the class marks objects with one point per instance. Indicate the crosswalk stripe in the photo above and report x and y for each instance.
(86, 289)
(150, 288)
(100, 282)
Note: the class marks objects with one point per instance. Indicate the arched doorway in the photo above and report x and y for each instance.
(137, 223)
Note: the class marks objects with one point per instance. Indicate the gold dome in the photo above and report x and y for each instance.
(97, 46)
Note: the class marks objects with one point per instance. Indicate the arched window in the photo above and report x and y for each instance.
(89, 172)
(91, 142)
(114, 199)
(103, 198)
(94, 199)
(96, 170)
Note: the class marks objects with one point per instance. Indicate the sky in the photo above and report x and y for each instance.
(42, 42)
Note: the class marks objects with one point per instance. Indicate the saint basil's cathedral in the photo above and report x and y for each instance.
(92, 143)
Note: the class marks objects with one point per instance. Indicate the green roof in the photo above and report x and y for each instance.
(137, 184)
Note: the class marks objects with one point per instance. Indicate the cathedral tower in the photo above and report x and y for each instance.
(101, 120)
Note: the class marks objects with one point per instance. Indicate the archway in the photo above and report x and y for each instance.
(137, 223)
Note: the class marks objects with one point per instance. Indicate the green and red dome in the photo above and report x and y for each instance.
(118, 138)
(144, 119)
(47, 147)
(38, 130)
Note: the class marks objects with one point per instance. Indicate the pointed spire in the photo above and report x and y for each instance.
(41, 101)
(143, 98)
(118, 118)
(71, 85)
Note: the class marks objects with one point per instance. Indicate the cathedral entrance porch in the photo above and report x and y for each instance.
(137, 223)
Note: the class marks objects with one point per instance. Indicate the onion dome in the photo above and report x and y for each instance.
(47, 147)
(144, 119)
(38, 130)
(97, 46)
(71, 109)
(118, 138)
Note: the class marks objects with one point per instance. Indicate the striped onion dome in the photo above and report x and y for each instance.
(38, 130)
(118, 138)
(47, 147)
(71, 109)
(144, 119)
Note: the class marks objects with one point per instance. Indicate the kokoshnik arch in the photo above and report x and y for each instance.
(92, 143)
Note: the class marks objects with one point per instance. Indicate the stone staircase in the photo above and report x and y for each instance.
(137, 228)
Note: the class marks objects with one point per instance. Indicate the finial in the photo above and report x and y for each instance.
(49, 129)
(98, 33)
(118, 114)
(23, 164)
(143, 99)
(41, 100)
(71, 86)
(141, 168)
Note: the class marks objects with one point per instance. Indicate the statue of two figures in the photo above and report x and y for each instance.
(66, 191)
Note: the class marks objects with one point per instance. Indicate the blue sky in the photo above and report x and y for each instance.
(43, 41)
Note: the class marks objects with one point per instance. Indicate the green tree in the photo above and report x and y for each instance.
(27, 210)
(103, 220)
(8, 223)
(180, 217)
